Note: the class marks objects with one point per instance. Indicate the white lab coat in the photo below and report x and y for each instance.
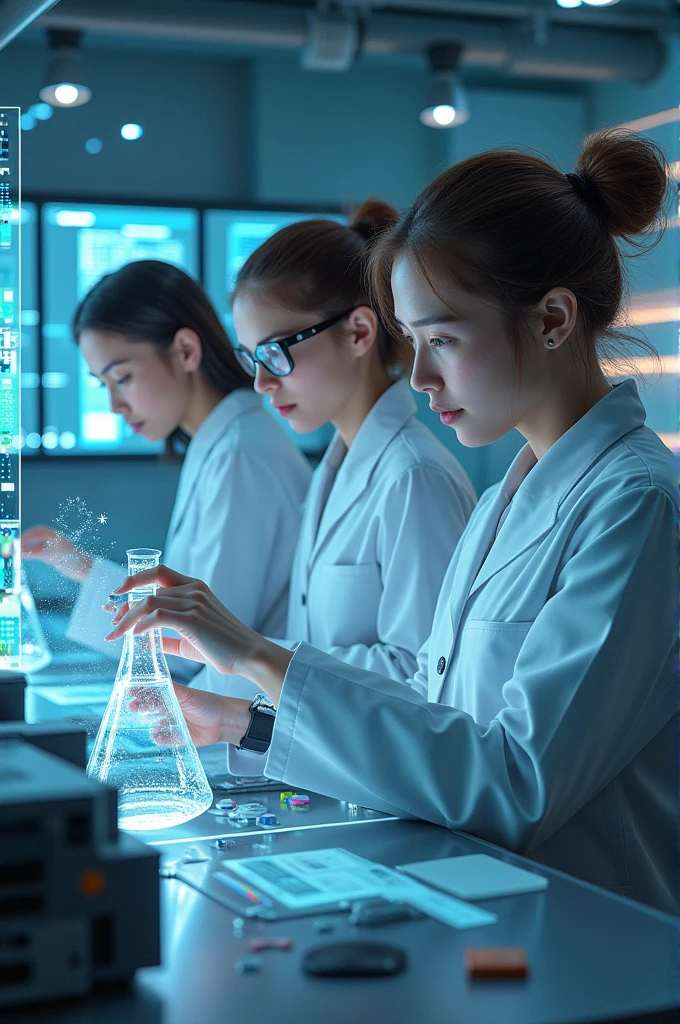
(234, 523)
(550, 725)
(379, 527)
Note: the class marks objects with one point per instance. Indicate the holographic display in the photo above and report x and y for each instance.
(10, 379)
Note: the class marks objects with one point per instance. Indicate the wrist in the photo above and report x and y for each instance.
(77, 565)
(266, 665)
(85, 563)
(235, 719)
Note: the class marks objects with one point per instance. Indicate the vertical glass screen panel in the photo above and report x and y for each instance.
(81, 243)
(30, 331)
(229, 237)
(10, 389)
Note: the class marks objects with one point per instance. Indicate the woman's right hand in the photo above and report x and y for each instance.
(50, 546)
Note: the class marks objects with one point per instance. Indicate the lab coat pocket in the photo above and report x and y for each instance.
(486, 661)
(343, 604)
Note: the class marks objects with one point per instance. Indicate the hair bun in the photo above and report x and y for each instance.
(373, 217)
(627, 177)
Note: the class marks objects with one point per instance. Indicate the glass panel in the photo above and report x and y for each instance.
(30, 330)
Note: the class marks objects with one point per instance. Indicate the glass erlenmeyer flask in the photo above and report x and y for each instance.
(143, 746)
(35, 651)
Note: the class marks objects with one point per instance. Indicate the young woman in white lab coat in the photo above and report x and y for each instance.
(550, 721)
(151, 336)
(388, 502)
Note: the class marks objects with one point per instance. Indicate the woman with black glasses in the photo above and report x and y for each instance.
(151, 337)
(388, 501)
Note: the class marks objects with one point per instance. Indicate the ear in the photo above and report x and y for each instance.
(363, 324)
(558, 310)
(187, 349)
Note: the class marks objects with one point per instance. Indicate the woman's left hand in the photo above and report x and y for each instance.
(209, 633)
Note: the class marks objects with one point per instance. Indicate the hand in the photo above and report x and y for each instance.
(47, 545)
(210, 717)
(209, 633)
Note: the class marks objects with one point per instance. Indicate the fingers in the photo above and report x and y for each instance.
(181, 648)
(35, 542)
(39, 534)
(120, 611)
(160, 574)
(152, 613)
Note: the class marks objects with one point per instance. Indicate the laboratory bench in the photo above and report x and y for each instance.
(592, 955)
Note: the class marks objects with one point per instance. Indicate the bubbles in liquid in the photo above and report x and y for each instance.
(143, 746)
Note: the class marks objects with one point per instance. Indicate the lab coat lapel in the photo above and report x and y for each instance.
(213, 428)
(386, 418)
(470, 555)
(315, 501)
(538, 494)
(537, 490)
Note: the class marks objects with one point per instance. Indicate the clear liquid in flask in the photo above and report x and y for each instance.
(143, 747)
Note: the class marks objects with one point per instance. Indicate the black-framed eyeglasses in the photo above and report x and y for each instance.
(275, 355)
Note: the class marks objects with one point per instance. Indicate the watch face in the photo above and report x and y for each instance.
(261, 727)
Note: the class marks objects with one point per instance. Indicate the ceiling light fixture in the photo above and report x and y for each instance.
(64, 81)
(446, 105)
(130, 132)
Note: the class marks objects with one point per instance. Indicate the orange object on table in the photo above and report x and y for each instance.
(498, 962)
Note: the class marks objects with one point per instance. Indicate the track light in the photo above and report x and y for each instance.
(446, 105)
(64, 82)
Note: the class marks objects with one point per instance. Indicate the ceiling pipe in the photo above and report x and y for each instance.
(656, 20)
(574, 53)
(16, 15)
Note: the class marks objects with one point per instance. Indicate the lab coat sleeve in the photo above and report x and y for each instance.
(421, 520)
(88, 624)
(591, 687)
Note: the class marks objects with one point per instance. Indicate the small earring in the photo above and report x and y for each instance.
(551, 342)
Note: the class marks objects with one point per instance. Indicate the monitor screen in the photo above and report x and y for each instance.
(229, 237)
(30, 330)
(81, 243)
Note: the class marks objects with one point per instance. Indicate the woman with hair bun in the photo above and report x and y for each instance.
(550, 720)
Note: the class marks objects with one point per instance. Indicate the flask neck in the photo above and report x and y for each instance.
(142, 659)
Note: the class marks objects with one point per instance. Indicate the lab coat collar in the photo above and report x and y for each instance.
(211, 430)
(537, 489)
(556, 474)
(355, 466)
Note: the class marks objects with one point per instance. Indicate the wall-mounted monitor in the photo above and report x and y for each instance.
(229, 237)
(81, 243)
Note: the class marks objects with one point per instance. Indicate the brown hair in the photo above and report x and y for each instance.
(509, 227)
(317, 266)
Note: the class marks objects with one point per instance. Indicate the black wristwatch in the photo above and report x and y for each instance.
(258, 735)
